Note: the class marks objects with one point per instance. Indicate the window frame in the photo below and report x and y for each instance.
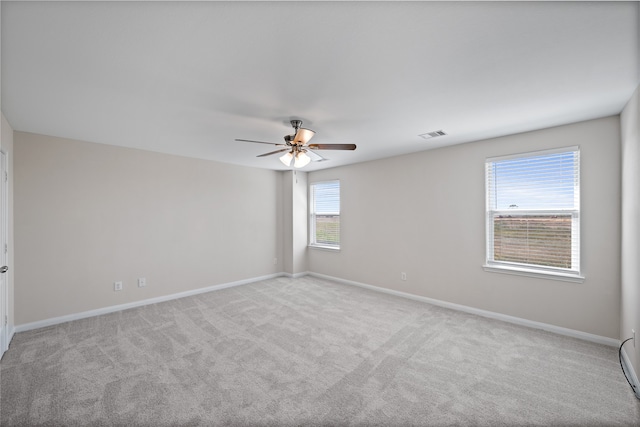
(312, 217)
(573, 274)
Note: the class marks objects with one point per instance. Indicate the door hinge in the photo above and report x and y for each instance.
(6, 248)
(6, 177)
(6, 320)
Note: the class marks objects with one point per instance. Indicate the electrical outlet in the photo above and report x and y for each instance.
(117, 286)
(142, 282)
(403, 275)
(275, 261)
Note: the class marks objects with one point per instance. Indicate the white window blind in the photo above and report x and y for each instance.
(324, 223)
(533, 211)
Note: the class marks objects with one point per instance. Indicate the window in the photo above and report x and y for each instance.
(533, 214)
(324, 222)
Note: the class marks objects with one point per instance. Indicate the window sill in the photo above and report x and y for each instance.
(530, 272)
(325, 248)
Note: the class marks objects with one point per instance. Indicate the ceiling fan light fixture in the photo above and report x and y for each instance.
(302, 160)
(297, 146)
(286, 159)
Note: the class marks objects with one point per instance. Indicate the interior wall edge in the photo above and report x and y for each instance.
(631, 373)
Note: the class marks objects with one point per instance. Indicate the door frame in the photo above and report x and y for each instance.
(4, 252)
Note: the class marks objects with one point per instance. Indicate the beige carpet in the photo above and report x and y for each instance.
(307, 352)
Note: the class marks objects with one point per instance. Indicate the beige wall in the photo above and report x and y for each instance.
(630, 308)
(423, 214)
(90, 214)
(6, 144)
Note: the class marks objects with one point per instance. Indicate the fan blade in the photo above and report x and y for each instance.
(303, 136)
(260, 142)
(333, 146)
(273, 152)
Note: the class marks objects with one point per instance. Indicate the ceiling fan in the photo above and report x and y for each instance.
(297, 147)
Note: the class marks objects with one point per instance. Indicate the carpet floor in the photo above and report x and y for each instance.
(311, 352)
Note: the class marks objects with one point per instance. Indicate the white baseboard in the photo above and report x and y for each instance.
(296, 275)
(484, 313)
(631, 373)
(498, 316)
(627, 366)
(12, 331)
(120, 307)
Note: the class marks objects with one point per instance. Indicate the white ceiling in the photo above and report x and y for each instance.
(188, 78)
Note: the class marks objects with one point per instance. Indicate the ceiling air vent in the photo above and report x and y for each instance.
(430, 135)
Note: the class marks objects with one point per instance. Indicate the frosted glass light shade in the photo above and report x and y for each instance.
(286, 159)
(302, 160)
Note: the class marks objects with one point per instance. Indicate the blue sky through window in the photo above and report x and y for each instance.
(327, 197)
(546, 181)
